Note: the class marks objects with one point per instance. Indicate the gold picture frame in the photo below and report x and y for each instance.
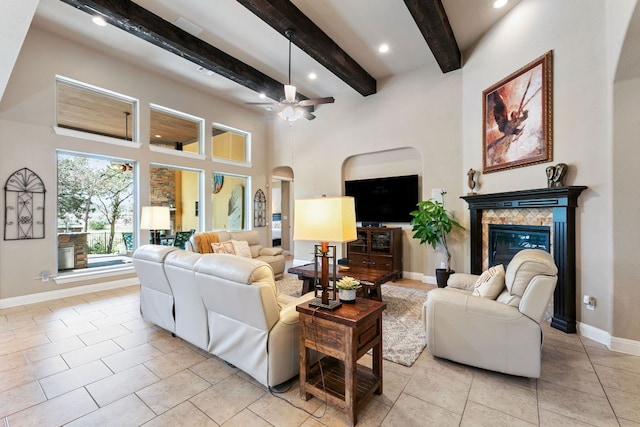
(517, 119)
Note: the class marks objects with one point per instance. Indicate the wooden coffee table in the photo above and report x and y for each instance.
(369, 278)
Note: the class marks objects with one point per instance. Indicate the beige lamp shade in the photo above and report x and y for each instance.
(326, 219)
(155, 218)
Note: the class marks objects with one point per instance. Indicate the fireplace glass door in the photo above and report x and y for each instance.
(505, 240)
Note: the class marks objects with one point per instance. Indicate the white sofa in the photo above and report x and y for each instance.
(224, 304)
(156, 296)
(501, 335)
(272, 256)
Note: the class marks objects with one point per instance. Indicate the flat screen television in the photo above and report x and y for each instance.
(384, 199)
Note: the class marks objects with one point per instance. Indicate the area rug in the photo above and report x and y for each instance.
(403, 336)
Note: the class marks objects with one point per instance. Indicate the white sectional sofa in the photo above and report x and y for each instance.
(224, 304)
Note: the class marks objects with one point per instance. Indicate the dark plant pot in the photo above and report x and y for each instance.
(442, 276)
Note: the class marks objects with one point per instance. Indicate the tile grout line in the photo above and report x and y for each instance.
(600, 381)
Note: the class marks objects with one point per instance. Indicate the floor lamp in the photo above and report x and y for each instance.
(155, 218)
(326, 219)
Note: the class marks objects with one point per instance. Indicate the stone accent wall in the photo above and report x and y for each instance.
(80, 247)
(518, 216)
(163, 187)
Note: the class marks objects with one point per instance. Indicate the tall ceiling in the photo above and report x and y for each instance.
(358, 27)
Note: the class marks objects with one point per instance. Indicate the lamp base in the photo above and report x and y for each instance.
(332, 305)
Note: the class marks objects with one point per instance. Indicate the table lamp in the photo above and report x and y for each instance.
(325, 219)
(155, 218)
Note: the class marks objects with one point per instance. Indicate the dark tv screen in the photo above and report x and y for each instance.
(384, 199)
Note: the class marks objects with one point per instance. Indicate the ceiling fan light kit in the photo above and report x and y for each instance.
(290, 108)
(291, 114)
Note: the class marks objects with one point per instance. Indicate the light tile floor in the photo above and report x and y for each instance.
(90, 360)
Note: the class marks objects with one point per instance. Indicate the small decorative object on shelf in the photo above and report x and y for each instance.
(348, 288)
(472, 180)
(555, 175)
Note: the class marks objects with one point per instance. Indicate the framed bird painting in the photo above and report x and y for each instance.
(517, 118)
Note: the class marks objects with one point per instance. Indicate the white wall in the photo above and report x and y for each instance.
(27, 117)
(420, 109)
(576, 31)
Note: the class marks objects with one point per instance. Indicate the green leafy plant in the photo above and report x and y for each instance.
(348, 283)
(431, 223)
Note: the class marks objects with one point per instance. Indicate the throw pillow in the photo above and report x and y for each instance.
(228, 247)
(217, 248)
(241, 247)
(490, 283)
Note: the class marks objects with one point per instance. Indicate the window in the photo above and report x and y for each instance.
(88, 109)
(174, 130)
(230, 209)
(95, 211)
(180, 190)
(230, 144)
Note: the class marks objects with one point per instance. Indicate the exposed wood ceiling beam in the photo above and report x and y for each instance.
(130, 17)
(433, 23)
(283, 15)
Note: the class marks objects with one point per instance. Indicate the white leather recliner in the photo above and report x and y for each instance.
(190, 313)
(502, 335)
(156, 296)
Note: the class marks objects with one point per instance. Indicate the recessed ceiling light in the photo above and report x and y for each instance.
(499, 3)
(99, 20)
(262, 96)
(158, 136)
(312, 76)
(383, 48)
(205, 71)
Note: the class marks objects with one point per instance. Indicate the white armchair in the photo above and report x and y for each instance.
(501, 335)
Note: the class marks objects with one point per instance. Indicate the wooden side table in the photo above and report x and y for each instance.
(343, 335)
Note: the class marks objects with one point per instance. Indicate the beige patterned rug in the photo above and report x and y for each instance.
(403, 336)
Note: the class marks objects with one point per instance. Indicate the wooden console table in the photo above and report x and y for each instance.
(344, 335)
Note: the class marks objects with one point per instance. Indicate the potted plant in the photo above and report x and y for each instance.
(348, 288)
(431, 223)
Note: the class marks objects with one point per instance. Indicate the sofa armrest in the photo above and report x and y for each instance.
(270, 251)
(462, 281)
(471, 306)
(288, 314)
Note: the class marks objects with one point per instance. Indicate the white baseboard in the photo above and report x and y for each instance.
(67, 292)
(624, 345)
(431, 280)
(621, 345)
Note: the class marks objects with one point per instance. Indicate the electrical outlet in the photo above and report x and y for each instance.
(589, 302)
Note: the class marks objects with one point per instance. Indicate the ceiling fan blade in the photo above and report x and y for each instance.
(308, 115)
(261, 103)
(316, 101)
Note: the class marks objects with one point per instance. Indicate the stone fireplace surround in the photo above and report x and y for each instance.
(546, 206)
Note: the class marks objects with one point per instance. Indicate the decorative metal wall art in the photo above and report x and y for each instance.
(24, 206)
(259, 209)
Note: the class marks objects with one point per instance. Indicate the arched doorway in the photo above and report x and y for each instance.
(281, 201)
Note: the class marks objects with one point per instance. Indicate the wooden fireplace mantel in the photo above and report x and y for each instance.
(563, 202)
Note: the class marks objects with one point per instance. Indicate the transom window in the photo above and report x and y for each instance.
(85, 108)
(174, 130)
(230, 144)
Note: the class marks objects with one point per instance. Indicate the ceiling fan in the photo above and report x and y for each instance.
(290, 108)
